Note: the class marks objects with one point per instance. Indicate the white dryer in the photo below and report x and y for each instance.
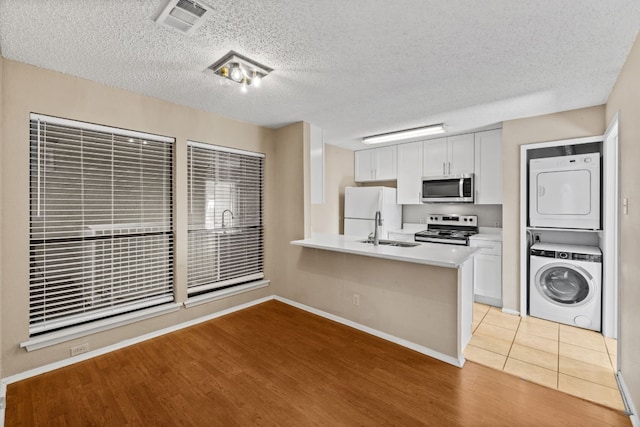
(565, 284)
(564, 192)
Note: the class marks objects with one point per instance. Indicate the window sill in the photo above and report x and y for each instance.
(225, 293)
(57, 337)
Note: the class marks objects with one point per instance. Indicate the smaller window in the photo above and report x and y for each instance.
(226, 233)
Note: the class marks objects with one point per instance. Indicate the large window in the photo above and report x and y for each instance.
(225, 217)
(101, 233)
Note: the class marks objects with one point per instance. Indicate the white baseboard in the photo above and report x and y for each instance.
(509, 311)
(626, 397)
(385, 336)
(3, 401)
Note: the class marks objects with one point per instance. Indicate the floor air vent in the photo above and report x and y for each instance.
(183, 15)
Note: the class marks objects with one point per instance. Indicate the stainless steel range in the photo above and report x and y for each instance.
(450, 229)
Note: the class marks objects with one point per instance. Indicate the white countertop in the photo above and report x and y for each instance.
(488, 233)
(450, 256)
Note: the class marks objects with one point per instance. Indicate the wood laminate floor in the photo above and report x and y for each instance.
(273, 364)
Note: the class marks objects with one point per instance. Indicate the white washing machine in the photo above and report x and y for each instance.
(565, 284)
(564, 192)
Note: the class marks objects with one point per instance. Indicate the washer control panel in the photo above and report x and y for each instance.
(566, 255)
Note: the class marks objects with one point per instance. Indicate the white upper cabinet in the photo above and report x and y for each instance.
(453, 155)
(479, 153)
(377, 164)
(410, 173)
(363, 166)
(461, 154)
(386, 163)
(488, 167)
(434, 161)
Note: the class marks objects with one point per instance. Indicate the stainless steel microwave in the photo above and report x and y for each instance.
(448, 189)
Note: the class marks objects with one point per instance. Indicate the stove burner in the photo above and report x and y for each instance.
(449, 229)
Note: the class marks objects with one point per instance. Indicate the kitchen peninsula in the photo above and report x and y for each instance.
(420, 297)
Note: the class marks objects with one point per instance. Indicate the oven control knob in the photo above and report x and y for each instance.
(466, 219)
(563, 255)
(587, 159)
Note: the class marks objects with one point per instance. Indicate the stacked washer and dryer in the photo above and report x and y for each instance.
(565, 280)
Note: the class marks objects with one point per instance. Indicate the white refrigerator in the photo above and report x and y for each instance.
(360, 206)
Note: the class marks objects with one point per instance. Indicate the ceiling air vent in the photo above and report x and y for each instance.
(183, 15)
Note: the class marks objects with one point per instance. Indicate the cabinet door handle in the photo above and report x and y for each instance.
(419, 196)
(444, 171)
(449, 168)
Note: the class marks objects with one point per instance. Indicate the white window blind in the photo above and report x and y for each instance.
(101, 233)
(225, 217)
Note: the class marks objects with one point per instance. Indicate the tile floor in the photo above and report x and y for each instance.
(573, 360)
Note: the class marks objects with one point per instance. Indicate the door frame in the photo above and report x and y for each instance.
(611, 233)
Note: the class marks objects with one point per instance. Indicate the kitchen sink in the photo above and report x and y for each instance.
(396, 243)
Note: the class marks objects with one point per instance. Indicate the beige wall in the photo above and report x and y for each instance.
(412, 301)
(338, 174)
(551, 127)
(29, 89)
(290, 197)
(625, 100)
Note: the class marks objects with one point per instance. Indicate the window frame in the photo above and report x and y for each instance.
(123, 309)
(209, 290)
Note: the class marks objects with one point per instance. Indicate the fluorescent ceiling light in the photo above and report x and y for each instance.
(404, 134)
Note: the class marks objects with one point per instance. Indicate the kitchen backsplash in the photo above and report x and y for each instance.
(488, 215)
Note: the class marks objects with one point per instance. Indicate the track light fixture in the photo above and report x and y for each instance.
(240, 69)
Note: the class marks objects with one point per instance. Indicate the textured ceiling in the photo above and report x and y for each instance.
(353, 68)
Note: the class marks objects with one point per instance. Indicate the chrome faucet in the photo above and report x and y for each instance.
(376, 233)
(224, 212)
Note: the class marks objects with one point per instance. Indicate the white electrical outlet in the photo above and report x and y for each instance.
(356, 299)
(79, 349)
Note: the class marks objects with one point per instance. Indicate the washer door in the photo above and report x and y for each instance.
(565, 284)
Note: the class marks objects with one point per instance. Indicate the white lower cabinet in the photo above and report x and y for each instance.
(487, 271)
